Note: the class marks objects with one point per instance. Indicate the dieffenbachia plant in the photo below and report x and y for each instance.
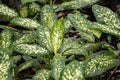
(42, 40)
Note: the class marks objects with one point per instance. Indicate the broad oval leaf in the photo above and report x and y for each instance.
(25, 22)
(57, 35)
(73, 71)
(7, 13)
(31, 50)
(24, 11)
(42, 75)
(48, 16)
(58, 64)
(106, 16)
(100, 62)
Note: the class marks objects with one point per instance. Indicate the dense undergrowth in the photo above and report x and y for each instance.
(57, 40)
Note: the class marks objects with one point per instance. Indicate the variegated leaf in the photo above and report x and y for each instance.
(7, 13)
(48, 16)
(73, 71)
(57, 35)
(58, 64)
(75, 4)
(42, 75)
(31, 50)
(24, 11)
(99, 62)
(25, 22)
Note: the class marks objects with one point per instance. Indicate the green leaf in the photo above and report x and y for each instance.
(73, 71)
(31, 50)
(57, 35)
(25, 22)
(82, 24)
(48, 16)
(106, 16)
(25, 65)
(43, 34)
(6, 38)
(34, 8)
(7, 13)
(106, 29)
(42, 75)
(25, 38)
(24, 11)
(5, 67)
(75, 4)
(58, 64)
(15, 59)
(100, 62)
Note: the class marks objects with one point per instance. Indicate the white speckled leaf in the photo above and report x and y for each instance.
(82, 24)
(42, 75)
(25, 22)
(75, 4)
(106, 16)
(73, 71)
(5, 67)
(7, 13)
(43, 34)
(48, 16)
(58, 64)
(31, 50)
(100, 62)
(6, 38)
(57, 35)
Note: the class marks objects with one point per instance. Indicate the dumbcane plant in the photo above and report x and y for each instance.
(42, 39)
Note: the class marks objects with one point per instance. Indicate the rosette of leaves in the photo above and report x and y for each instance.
(43, 42)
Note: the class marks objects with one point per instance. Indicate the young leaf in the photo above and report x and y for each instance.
(7, 13)
(31, 50)
(5, 67)
(106, 16)
(24, 11)
(42, 75)
(57, 35)
(25, 65)
(73, 71)
(25, 22)
(58, 64)
(48, 16)
(43, 34)
(99, 62)
(75, 4)
(34, 8)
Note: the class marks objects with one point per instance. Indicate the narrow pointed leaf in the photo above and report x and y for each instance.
(42, 75)
(73, 71)
(48, 16)
(58, 64)
(31, 50)
(7, 13)
(25, 22)
(75, 4)
(57, 35)
(25, 65)
(100, 62)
